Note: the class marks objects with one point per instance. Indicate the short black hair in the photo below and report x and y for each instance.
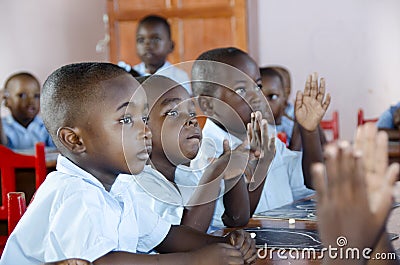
(273, 72)
(71, 90)
(19, 75)
(202, 70)
(154, 19)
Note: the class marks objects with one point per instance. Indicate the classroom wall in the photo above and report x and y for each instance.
(354, 44)
(41, 35)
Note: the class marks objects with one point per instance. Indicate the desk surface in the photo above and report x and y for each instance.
(273, 258)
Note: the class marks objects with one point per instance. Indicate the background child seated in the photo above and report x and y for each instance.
(285, 181)
(390, 119)
(153, 45)
(23, 128)
(274, 91)
(83, 210)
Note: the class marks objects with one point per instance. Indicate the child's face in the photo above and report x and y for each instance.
(23, 98)
(153, 44)
(243, 96)
(175, 130)
(115, 135)
(274, 93)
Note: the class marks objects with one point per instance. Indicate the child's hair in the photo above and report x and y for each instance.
(202, 71)
(72, 89)
(19, 75)
(154, 19)
(273, 72)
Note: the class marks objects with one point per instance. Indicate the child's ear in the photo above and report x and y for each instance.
(206, 105)
(5, 96)
(71, 139)
(172, 46)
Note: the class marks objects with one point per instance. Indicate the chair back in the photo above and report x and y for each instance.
(16, 205)
(361, 120)
(332, 125)
(9, 161)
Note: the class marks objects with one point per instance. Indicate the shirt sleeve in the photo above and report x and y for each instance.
(296, 177)
(152, 228)
(83, 226)
(385, 120)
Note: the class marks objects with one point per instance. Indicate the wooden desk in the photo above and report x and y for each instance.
(392, 227)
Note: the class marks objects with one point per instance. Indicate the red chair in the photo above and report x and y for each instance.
(16, 204)
(332, 125)
(283, 137)
(9, 161)
(361, 120)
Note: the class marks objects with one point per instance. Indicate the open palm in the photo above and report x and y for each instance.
(310, 106)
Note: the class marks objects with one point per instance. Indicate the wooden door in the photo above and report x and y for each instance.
(196, 26)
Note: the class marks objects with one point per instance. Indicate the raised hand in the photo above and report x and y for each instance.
(349, 204)
(310, 106)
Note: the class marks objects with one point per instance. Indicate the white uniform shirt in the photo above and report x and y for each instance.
(168, 70)
(284, 184)
(73, 216)
(154, 191)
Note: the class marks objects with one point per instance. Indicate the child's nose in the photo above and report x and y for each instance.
(147, 132)
(192, 122)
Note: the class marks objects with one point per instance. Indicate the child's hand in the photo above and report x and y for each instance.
(217, 254)
(310, 106)
(261, 146)
(242, 240)
(350, 203)
(71, 262)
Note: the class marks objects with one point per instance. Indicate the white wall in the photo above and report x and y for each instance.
(354, 44)
(41, 35)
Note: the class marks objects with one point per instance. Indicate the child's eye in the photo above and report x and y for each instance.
(126, 120)
(240, 91)
(192, 114)
(172, 113)
(139, 40)
(37, 96)
(259, 87)
(22, 95)
(273, 97)
(145, 119)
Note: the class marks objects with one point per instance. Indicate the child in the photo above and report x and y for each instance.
(355, 194)
(23, 128)
(287, 85)
(153, 45)
(390, 119)
(274, 91)
(174, 194)
(96, 114)
(285, 179)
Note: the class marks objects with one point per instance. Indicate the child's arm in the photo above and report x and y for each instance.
(310, 108)
(183, 238)
(236, 248)
(200, 209)
(355, 196)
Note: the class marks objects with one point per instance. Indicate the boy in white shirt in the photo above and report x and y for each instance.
(153, 45)
(231, 76)
(96, 114)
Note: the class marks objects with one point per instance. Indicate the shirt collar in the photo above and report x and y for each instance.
(66, 166)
